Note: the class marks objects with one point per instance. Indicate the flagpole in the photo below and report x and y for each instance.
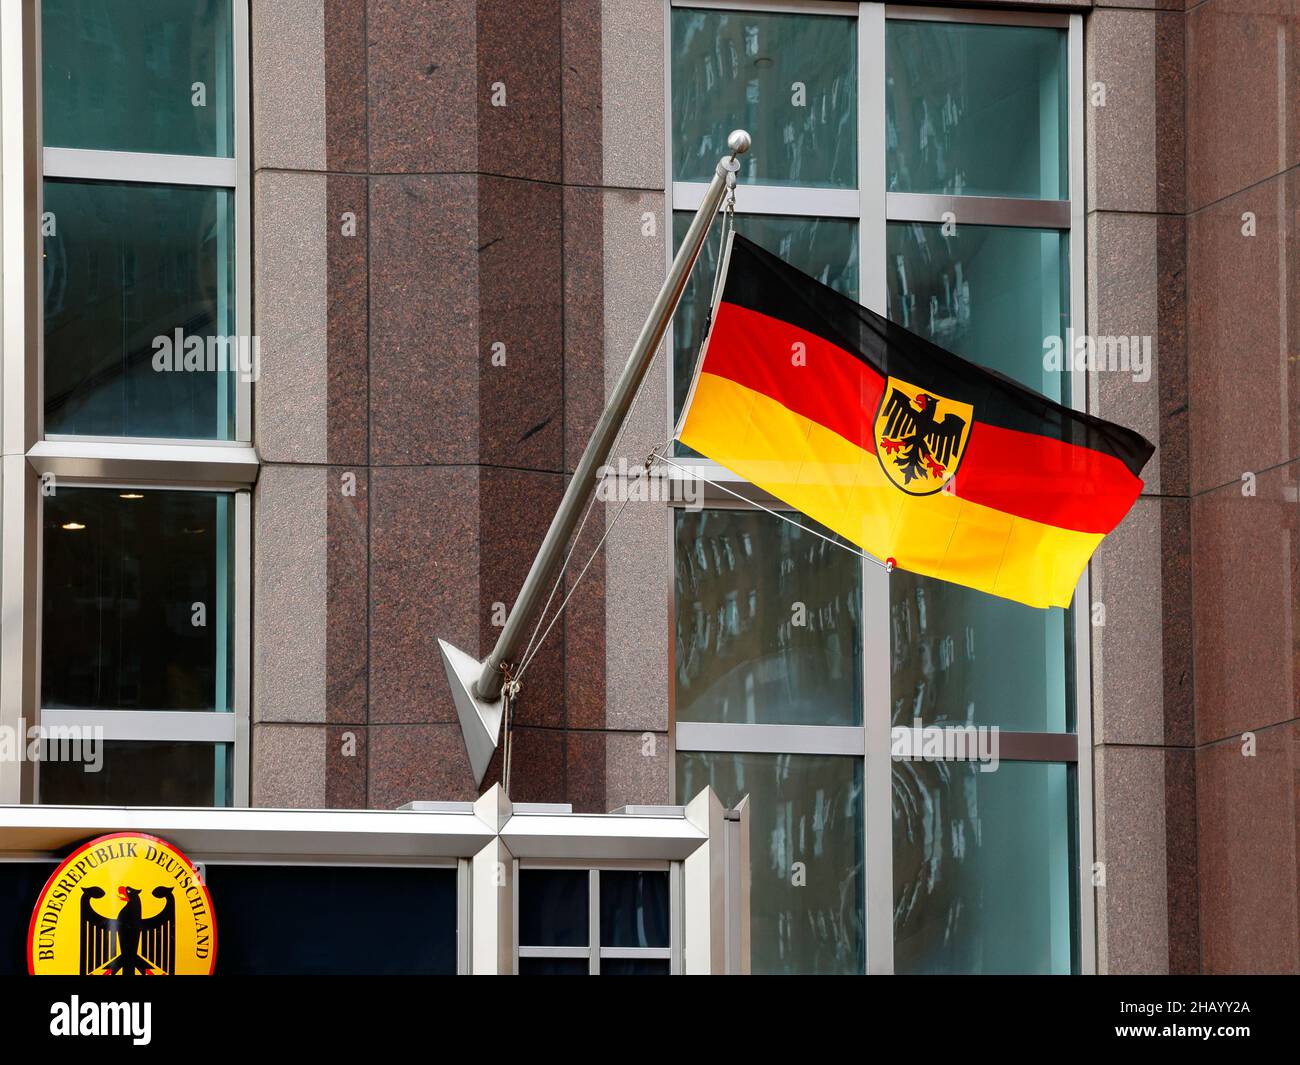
(481, 699)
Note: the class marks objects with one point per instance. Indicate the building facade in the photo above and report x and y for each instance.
(311, 305)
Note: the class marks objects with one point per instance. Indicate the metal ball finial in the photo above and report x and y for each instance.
(739, 142)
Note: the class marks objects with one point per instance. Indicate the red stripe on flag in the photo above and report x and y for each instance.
(831, 387)
(1036, 477)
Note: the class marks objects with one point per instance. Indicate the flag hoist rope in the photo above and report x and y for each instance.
(886, 564)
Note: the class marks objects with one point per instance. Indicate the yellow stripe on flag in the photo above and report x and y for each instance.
(843, 487)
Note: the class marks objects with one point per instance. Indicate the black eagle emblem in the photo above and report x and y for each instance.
(128, 944)
(917, 443)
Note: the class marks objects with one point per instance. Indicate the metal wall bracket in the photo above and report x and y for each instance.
(480, 721)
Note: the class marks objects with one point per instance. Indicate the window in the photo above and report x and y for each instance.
(146, 388)
(926, 162)
(341, 921)
(609, 922)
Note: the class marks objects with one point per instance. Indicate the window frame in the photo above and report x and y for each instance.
(177, 726)
(593, 952)
(874, 208)
(150, 463)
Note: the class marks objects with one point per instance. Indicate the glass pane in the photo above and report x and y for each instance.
(257, 939)
(805, 848)
(554, 967)
(984, 873)
(143, 76)
(633, 909)
(791, 80)
(141, 773)
(997, 296)
(635, 967)
(826, 248)
(137, 599)
(768, 622)
(961, 657)
(133, 274)
(976, 110)
(553, 908)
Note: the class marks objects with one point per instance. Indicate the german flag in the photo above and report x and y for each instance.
(903, 448)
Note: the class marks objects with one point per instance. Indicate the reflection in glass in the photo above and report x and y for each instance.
(126, 268)
(976, 110)
(553, 908)
(997, 296)
(805, 809)
(984, 873)
(826, 248)
(993, 295)
(633, 908)
(137, 599)
(961, 657)
(141, 76)
(790, 80)
(142, 773)
(768, 622)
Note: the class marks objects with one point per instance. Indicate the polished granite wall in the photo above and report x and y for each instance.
(528, 225)
(405, 228)
(1243, 151)
(1199, 131)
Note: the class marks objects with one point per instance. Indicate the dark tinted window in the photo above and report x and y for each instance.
(138, 595)
(20, 886)
(634, 967)
(321, 920)
(633, 909)
(553, 908)
(142, 773)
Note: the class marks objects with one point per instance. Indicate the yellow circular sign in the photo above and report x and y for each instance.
(125, 904)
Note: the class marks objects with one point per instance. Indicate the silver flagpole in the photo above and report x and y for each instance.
(477, 687)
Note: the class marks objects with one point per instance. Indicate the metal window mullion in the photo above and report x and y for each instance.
(877, 820)
(788, 7)
(139, 168)
(176, 726)
(137, 462)
(1009, 211)
(769, 739)
(1082, 600)
(242, 648)
(877, 775)
(572, 953)
(593, 921)
(635, 953)
(675, 902)
(807, 201)
(986, 17)
(464, 917)
(243, 216)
